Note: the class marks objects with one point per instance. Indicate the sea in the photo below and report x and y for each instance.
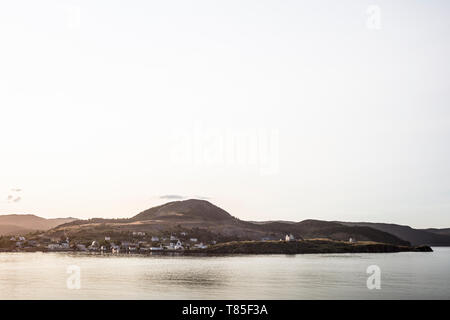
(405, 275)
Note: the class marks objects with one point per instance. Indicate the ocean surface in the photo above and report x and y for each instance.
(408, 275)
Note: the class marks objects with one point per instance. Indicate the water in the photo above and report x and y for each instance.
(408, 275)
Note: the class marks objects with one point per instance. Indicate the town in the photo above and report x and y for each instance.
(138, 242)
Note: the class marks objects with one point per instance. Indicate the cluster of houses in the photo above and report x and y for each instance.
(172, 243)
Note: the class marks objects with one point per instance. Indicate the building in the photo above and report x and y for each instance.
(200, 246)
(107, 238)
(290, 237)
(179, 245)
(193, 239)
(173, 238)
(155, 239)
(351, 240)
(115, 248)
(54, 246)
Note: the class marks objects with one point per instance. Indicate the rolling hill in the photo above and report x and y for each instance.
(24, 223)
(215, 223)
(431, 237)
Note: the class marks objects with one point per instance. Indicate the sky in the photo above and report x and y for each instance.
(272, 110)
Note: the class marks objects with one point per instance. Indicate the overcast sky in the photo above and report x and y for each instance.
(273, 110)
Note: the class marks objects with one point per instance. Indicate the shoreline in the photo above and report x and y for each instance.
(259, 247)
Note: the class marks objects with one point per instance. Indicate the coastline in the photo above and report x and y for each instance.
(312, 246)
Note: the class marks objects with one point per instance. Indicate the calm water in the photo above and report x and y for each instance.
(320, 276)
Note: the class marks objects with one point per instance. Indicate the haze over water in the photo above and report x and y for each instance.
(408, 275)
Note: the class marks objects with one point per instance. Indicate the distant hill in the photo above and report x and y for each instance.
(13, 224)
(213, 222)
(431, 237)
(192, 209)
(438, 231)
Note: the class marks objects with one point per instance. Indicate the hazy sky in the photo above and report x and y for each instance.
(335, 110)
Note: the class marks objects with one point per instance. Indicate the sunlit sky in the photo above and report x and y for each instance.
(272, 110)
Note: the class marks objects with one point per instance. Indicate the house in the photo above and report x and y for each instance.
(200, 246)
(12, 239)
(173, 238)
(351, 240)
(179, 245)
(155, 239)
(107, 238)
(138, 233)
(183, 233)
(193, 239)
(22, 239)
(64, 245)
(156, 248)
(54, 246)
(290, 237)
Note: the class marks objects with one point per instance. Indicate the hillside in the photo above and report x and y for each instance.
(431, 237)
(445, 232)
(211, 222)
(25, 223)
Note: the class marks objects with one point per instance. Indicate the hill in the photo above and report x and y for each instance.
(431, 237)
(192, 210)
(24, 223)
(209, 222)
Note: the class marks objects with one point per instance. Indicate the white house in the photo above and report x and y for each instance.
(200, 246)
(179, 245)
(183, 233)
(173, 238)
(351, 240)
(115, 248)
(155, 239)
(193, 239)
(22, 239)
(107, 238)
(290, 237)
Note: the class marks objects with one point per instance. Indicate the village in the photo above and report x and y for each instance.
(140, 242)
